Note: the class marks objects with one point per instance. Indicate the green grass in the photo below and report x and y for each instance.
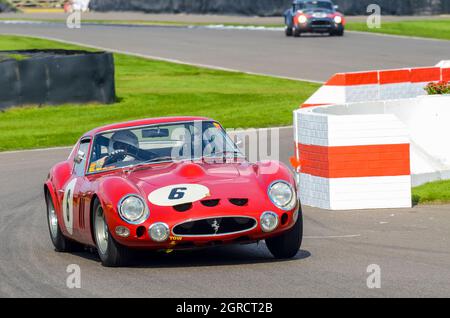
(148, 88)
(435, 29)
(433, 192)
(12, 56)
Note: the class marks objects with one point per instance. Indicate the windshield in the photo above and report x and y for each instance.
(160, 143)
(311, 5)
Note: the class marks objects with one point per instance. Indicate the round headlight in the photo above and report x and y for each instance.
(132, 209)
(282, 195)
(302, 19)
(268, 221)
(159, 232)
(338, 19)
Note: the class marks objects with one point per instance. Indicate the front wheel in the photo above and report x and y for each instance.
(296, 32)
(111, 253)
(287, 244)
(288, 31)
(337, 33)
(60, 242)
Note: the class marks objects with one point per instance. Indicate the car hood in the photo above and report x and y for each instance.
(310, 11)
(224, 179)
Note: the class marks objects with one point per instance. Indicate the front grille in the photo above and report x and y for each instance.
(320, 23)
(215, 226)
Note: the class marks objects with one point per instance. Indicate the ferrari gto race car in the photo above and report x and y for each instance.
(166, 184)
(316, 16)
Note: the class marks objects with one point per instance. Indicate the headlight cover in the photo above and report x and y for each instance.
(268, 221)
(302, 19)
(159, 232)
(338, 19)
(282, 195)
(133, 209)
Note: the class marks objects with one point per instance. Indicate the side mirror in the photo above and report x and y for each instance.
(79, 157)
(336, 7)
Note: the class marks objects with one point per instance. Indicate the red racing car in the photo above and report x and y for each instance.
(165, 184)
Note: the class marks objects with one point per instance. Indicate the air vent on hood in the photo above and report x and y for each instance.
(210, 203)
(239, 202)
(182, 207)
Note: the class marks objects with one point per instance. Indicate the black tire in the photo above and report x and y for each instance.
(288, 31)
(60, 242)
(340, 33)
(287, 244)
(296, 32)
(114, 254)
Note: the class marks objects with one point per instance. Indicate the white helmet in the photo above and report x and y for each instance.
(120, 139)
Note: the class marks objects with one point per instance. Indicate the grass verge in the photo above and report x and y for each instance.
(148, 88)
(433, 192)
(433, 29)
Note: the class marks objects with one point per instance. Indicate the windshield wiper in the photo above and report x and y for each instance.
(165, 158)
(154, 160)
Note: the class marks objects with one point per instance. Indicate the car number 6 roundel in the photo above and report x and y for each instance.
(178, 194)
(68, 206)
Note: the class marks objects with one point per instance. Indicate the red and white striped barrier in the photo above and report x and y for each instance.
(377, 85)
(354, 138)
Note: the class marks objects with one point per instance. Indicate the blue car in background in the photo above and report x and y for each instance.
(314, 16)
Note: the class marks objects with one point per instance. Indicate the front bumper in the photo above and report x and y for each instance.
(139, 235)
(320, 26)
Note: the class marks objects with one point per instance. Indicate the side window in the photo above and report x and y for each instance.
(81, 157)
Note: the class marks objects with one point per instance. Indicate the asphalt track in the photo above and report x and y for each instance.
(411, 246)
(264, 52)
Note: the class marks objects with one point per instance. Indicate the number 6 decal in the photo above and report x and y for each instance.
(68, 206)
(178, 194)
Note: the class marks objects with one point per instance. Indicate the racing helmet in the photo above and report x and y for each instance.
(121, 140)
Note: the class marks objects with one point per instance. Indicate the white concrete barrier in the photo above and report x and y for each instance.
(354, 154)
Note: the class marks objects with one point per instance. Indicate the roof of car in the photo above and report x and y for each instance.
(143, 122)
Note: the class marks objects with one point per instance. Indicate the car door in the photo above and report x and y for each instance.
(72, 202)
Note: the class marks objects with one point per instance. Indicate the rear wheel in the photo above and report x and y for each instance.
(60, 242)
(111, 253)
(287, 244)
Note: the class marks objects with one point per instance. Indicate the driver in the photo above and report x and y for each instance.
(123, 147)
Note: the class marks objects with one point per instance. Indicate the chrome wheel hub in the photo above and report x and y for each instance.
(52, 219)
(101, 231)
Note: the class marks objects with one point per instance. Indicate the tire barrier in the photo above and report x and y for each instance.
(39, 77)
(373, 139)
